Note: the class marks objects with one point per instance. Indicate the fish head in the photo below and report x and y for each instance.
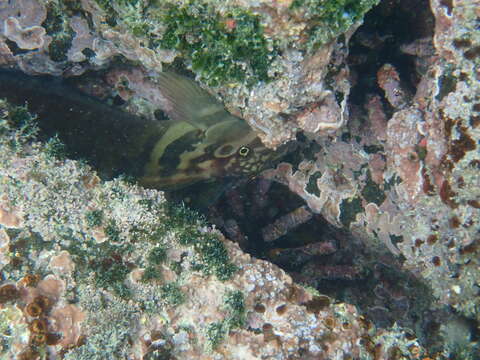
(186, 155)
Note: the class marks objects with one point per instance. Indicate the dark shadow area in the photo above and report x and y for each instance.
(387, 27)
(321, 256)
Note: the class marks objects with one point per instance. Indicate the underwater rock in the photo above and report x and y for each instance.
(406, 179)
(390, 117)
(163, 283)
(267, 59)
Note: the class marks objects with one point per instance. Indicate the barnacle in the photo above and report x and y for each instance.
(43, 302)
(33, 309)
(8, 292)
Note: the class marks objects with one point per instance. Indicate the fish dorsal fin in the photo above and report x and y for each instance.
(189, 102)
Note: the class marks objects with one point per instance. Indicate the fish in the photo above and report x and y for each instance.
(200, 142)
(204, 141)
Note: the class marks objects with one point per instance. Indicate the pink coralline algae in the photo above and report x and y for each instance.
(378, 204)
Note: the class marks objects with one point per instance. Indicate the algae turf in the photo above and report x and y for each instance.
(220, 48)
(234, 305)
(18, 122)
(215, 334)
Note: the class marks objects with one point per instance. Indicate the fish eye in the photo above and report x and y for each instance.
(243, 151)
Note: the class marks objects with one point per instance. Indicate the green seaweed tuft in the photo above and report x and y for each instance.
(235, 305)
(151, 273)
(214, 257)
(112, 276)
(211, 255)
(215, 334)
(112, 232)
(55, 148)
(157, 255)
(57, 26)
(218, 52)
(172, 294)
(94, 218)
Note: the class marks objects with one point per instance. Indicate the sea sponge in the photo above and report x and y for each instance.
(62, 263)
(81, 41)
(9, 217)
(27, 12)
(33, 309)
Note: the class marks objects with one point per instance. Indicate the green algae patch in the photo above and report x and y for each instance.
(157, 255)
(94, 218)
(55, 148)
(215, 334)
(312, 187)
(371, 192)
(112, 276)
(330, 18)
(17, 122)
(213, 258)
(349, 208)
(221, 48)
(373, 149)
(57, 25)
(211, 254)
(172, 294)
(235, 305)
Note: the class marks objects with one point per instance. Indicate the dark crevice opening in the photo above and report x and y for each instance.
(378, 41)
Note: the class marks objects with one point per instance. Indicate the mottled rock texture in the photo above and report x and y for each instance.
(389, 153)
(95, 270)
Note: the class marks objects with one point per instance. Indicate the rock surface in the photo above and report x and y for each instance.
(386, 116)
